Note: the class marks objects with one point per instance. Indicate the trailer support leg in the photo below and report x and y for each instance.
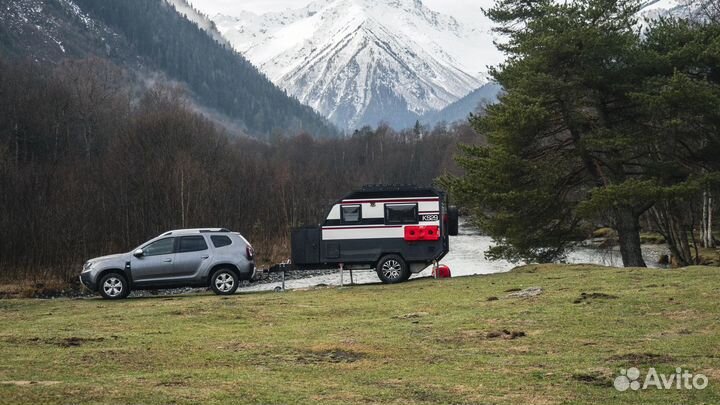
(341, 275)
(352, 282)
(283, 280)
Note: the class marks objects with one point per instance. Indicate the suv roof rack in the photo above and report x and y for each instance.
(214, 230)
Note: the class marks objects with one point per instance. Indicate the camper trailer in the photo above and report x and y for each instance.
(396, 230)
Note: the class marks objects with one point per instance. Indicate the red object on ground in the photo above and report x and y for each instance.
(442, 271)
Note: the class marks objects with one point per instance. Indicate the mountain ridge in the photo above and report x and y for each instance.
(360, 62)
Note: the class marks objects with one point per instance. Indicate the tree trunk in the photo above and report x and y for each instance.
(675, 231)
(627, 225)
(706, 227)
(711, 238)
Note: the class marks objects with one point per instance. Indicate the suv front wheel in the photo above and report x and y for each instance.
(224, 282)
(113, 286)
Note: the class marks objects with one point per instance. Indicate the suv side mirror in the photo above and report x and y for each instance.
(138, 253)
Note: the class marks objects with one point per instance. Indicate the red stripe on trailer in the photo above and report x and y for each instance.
(415, 200)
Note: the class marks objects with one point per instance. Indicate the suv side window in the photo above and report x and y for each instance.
(192, 244)
(159, 247)
(220, 241)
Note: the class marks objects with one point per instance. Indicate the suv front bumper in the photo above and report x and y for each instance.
(87, 281)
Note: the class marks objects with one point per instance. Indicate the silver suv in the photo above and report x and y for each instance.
(214, 257)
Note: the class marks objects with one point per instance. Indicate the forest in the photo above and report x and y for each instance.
(94, 163)
(606, 120)
(152, 39)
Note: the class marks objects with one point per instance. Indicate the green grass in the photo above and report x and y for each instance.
(421, 342)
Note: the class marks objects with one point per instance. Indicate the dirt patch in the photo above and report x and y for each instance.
(642, 358)
(593, 378)
(505, 334)
(173, 383)
(492, 298)
(585, 297)
(412, 315)
(239, 346)
(680, 315)
(462, 337)
(513, 290)
(29, 383)
(74, 341)
(330, 356)
(526, 293)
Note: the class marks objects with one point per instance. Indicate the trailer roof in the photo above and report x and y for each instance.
(392, 191)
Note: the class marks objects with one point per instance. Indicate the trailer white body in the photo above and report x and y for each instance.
(397, 228)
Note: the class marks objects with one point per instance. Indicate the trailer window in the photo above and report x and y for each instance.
(351, 214)
(401, 213)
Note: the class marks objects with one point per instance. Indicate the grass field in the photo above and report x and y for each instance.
(427, 341)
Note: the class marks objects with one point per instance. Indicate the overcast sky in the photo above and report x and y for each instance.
(463, 10)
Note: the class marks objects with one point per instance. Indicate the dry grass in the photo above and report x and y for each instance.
(423, 342)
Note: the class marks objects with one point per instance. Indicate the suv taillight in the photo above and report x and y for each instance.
(250, 252)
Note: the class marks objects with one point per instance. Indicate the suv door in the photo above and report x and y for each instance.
(156, 263)
(192, 256)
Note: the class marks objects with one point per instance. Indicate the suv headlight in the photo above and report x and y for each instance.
(87, 266)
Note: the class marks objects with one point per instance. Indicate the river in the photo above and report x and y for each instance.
(467, 258)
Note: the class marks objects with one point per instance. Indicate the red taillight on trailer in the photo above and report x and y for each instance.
(249, 252)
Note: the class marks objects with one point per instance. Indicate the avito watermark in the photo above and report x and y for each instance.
(680, 380)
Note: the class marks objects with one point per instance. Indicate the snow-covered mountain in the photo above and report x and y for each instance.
(687, 9)
(201, 20)
(360, 62)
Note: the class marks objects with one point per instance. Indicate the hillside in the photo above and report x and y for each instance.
(461, 109)
(464, 340)
(151, 37)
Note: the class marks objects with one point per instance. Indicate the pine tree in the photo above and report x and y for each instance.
(600, 122)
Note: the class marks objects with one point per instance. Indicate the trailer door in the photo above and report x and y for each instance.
(306, 246)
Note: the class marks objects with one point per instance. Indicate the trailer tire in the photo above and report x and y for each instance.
(453, 221)
(392, 269)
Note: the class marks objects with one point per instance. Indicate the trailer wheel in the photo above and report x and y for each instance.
(392, 269)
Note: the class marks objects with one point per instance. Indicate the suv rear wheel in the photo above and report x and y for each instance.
(392, 269)
(224, 282)
(113, 286)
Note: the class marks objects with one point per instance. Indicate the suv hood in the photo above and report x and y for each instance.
(109, 257)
